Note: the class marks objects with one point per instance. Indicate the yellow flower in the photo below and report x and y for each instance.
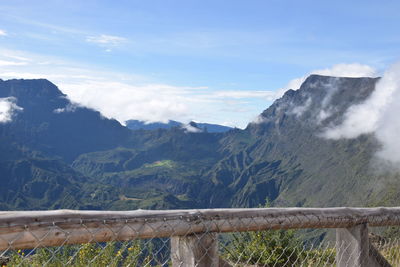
(19, 251)
(130, 249)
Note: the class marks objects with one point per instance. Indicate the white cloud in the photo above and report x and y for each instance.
(299, 110)
(11, 63)
(385, 118)
(9, 58)
(151, 102)
(8, 108)
(364, 118)
(353, 70)
(378, 115)
(71, 107)
(128, 96)
(105, 39)
(259, 119)
(191, 129)
(268, 95)
(124, 100)
(3, 33)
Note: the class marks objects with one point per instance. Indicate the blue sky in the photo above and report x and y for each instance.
(215, 61)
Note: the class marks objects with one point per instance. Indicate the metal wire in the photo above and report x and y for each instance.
(242, 245)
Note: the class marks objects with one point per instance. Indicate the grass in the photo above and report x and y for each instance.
(161, 164)
(132, 253)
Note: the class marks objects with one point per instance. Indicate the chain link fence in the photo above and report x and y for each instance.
(213, 237)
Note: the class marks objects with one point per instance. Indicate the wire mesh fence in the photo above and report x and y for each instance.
(219, 237)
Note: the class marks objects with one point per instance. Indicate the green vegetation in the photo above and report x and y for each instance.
(134, 253)
(161, 163)
(264, 247)
(275, 248)
(79, 160)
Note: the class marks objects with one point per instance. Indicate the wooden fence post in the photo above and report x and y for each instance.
(199, 250)
(353, 248)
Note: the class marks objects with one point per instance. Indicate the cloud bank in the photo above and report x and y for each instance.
(124, 96)
(130, 96)
(8, 108)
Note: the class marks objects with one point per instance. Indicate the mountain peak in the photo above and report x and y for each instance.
(319, 101)
(30, 88)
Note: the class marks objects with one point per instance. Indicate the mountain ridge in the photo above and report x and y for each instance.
(282, 158)
(143, 125)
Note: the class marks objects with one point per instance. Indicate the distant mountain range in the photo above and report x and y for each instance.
(207, 127)
(54, 154)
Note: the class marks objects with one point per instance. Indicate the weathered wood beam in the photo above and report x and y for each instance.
(353, 248)
(30, 229)
(199, 250)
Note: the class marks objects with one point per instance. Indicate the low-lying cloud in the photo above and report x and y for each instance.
(8, 108)
(191, 129)
(154, 102)
(379, 114)
(124, 96)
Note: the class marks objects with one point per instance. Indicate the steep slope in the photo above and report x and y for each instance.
(39, 139)
(163, 169)
(31, 181)
(285, 158)
(49, 122)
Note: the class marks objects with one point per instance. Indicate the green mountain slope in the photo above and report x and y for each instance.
(289, 162)
(164, 163)
(54, 154)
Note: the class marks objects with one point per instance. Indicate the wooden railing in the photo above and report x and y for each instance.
(35, 229)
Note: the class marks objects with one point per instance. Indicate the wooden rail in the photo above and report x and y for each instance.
(31, 229)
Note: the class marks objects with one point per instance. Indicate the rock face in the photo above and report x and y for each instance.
(57, 154)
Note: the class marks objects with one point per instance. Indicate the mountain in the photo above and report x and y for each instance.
(165, 163)
(56, 154)
(285, 158)
(213, 128)
(49, 122)
(45, 135)
(142, 125)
